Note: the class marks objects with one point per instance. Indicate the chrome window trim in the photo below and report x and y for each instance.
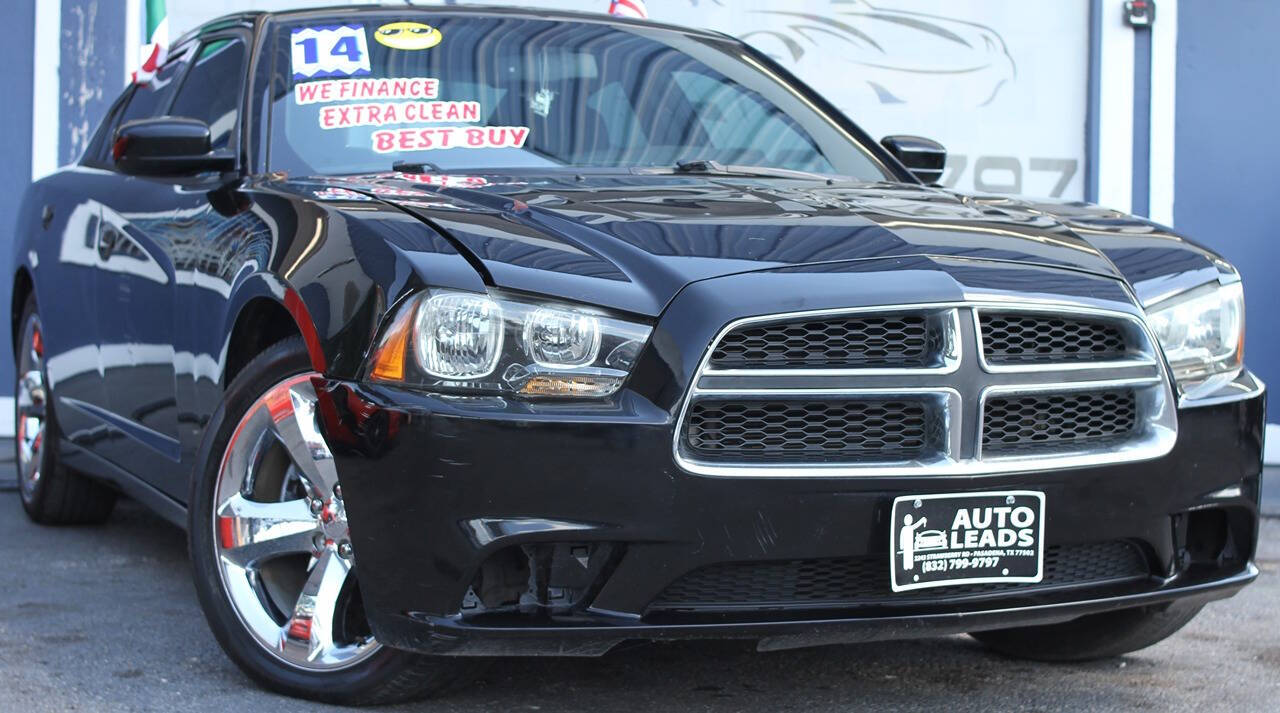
(962, 421)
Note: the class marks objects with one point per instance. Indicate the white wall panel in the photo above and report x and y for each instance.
(1164, 84)
(1115, 110)
(134, 29)
(44, 96)
(187, 14)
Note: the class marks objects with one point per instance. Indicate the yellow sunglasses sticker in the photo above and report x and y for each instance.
(408, 36)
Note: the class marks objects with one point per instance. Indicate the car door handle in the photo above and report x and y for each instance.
(106, 243)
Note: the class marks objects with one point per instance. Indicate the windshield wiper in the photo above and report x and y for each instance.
(708, 166)
(414, 167)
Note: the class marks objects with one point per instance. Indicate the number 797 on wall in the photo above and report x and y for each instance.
(329, 51)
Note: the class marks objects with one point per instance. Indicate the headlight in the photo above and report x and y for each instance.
(467, 342)
(1202, 334)
(458, 336)
(560, 338)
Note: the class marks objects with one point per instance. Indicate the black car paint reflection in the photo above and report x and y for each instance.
(165, 303)
(156, 291)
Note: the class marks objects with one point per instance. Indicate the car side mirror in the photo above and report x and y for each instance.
(923, 157)
(167, 146)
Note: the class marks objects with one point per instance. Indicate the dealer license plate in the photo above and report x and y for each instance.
(967, 538)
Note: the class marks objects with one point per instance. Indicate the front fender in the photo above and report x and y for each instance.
(345, 261)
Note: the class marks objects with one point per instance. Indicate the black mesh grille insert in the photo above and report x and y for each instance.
(813, 430)
(1049, 422)
(865, 580)
(907, 341)
(1047, 339)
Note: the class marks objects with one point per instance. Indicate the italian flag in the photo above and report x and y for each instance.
(628, 8)
(154, 53)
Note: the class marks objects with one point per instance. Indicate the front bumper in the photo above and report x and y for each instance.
(596, 635)
(437, 487)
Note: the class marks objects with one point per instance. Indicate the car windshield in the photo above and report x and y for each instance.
(361, 93)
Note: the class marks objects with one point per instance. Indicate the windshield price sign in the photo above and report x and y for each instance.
(329, 51)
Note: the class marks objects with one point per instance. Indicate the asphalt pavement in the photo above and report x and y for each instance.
(106, 619)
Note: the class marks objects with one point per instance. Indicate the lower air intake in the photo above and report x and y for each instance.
(865, 580)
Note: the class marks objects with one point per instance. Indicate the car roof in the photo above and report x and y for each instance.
(252, 17)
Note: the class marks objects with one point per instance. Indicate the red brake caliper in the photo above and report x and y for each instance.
(37, 346)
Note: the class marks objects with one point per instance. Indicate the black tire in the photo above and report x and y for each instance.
(389, 675)
(60, 496)
(1097, 636)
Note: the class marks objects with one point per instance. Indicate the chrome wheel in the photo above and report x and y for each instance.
(30, 403)
(280, 533)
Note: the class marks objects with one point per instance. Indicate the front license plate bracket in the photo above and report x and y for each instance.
(952, 539)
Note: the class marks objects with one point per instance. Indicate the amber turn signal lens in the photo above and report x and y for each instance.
(570, 386)
(388, 361)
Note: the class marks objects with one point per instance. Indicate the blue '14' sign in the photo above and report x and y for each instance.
(329, 51)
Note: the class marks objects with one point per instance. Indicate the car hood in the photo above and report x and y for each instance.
(631, 242)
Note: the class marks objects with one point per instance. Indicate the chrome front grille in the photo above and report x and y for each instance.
(1051, 422)
(1014, 338)
(813, 430)
(910, 340)
(975, 388)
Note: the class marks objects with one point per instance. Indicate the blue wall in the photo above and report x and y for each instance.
(1228, 144)
(17, 57)
(91, 75)
(90, 70)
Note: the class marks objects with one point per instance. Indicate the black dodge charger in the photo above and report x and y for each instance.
(473, 332)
